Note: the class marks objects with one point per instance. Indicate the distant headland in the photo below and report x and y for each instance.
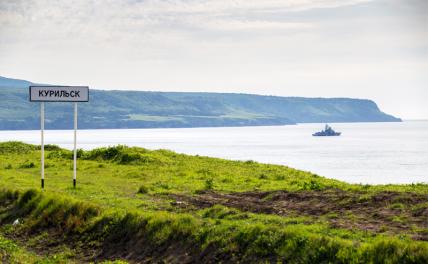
(142, 109)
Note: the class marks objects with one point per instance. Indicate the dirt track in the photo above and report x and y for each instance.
(350, 210)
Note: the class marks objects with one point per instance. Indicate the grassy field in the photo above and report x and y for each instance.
(136, 205)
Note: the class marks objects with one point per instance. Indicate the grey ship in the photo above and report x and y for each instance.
(327, 132)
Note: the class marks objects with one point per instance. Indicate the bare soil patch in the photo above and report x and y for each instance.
(390, 212)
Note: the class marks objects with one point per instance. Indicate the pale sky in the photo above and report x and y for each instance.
(374, 49)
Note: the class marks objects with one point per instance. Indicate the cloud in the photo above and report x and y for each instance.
(117, 14)
(347, 47)
(222, 6)
(90, 23)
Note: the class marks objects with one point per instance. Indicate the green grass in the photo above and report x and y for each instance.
(112, 176)
(122, 201)
(10, 252)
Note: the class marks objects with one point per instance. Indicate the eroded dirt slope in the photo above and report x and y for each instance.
(393, 212)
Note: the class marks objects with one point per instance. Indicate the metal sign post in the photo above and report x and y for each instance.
(75, 144)
(44, 94)
(42, 145)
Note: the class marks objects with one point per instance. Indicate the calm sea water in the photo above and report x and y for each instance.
(374, 153)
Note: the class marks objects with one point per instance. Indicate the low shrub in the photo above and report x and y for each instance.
(219, 212)
(263, 176)
(107, 153)
(313, 186)
(8, 196)
(209, 184)
(143, 189)
(50, 147)
(280, 177)
(125, 155)
(60, 154)
(27, 165)
(393, 250)
(65, 154)
(16, 147)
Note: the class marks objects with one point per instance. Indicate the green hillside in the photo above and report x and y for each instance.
(137, 205)
(139, 109)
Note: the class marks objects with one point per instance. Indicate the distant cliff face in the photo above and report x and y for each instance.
(138, 109)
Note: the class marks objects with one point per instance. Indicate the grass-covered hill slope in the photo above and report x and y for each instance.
(136, 205)
(139, 109)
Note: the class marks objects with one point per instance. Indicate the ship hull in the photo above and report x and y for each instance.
(325, 135)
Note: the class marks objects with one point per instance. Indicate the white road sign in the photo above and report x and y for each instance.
(59, 93)
(42, 94)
